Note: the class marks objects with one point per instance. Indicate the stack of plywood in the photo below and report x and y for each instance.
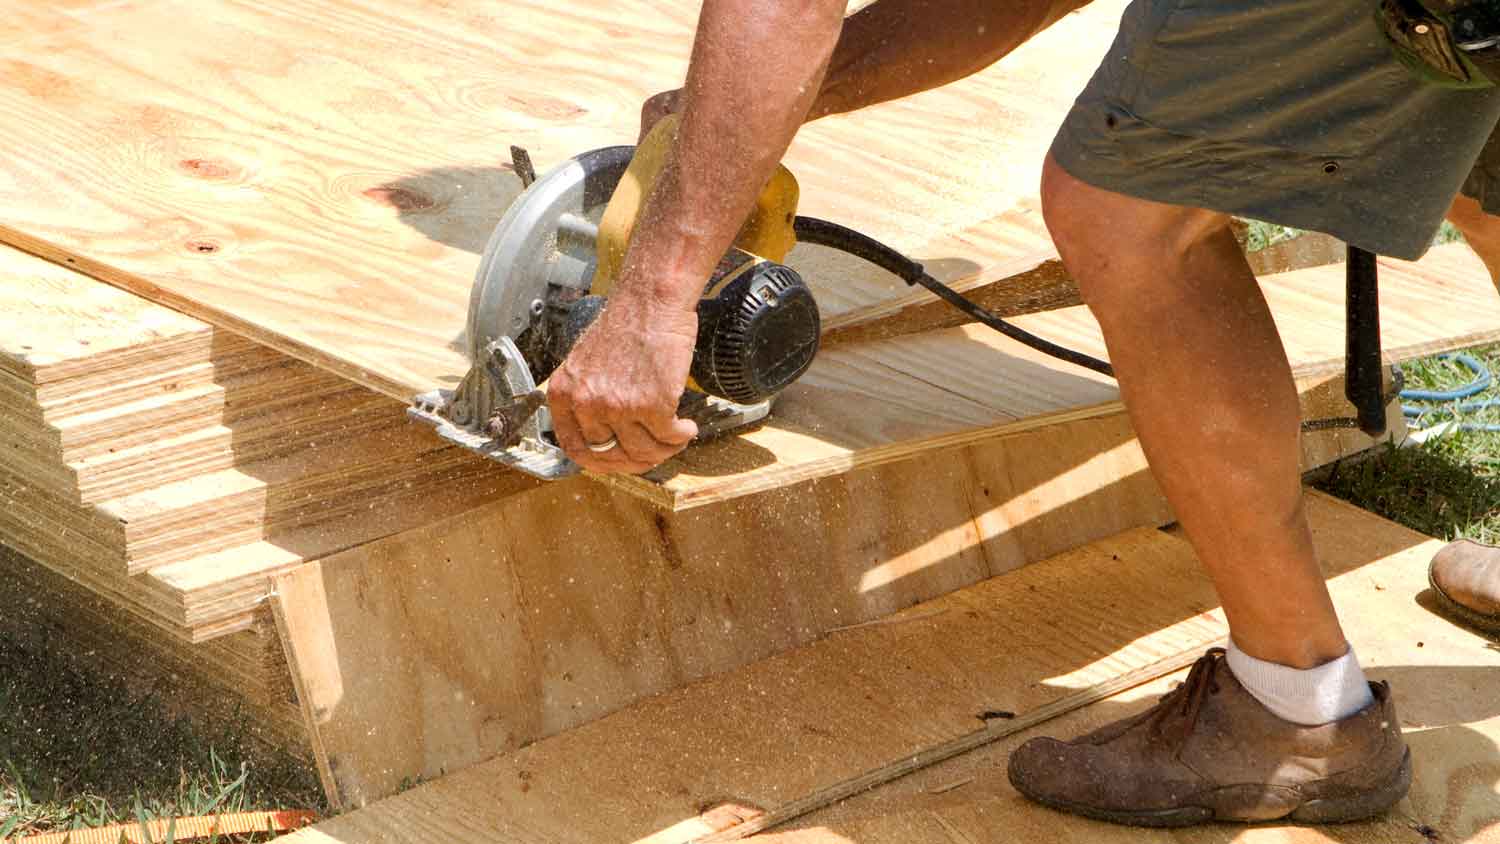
(156, 472)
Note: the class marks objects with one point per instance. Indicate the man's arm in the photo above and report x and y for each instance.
(895, 48)
(757, 66)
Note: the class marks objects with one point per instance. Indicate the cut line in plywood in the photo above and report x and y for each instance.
(783, 729)
(432, 650)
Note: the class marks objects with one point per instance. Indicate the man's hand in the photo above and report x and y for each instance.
(658, 106)
(622, 382)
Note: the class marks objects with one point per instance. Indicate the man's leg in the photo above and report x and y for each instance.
(1481, 230)
(1466, 574)
(1208, 388)
(1284, 724)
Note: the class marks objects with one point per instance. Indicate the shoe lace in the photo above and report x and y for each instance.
(1182, 704)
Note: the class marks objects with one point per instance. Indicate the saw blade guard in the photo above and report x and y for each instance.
(546, 237)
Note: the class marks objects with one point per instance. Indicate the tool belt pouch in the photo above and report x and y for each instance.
(1426, 39)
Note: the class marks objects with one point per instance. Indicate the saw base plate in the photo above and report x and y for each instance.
(543, 459)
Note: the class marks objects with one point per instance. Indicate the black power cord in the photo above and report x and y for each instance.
(823, 233)
(1364, 379)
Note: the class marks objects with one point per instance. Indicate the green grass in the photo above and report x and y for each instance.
(80, 750)
(1262, 234)
(1448, 487)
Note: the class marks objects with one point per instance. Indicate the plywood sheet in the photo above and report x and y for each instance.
(770, 733)
(265, 172)
(51, 317)
(321, 175)
(800, 722)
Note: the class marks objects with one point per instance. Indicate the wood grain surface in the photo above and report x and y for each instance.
(51, 316)
(267, 173)
(681, 765)
(320, 176)
(850, 701)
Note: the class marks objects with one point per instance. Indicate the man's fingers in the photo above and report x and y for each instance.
(595, 434)
(565, 428)
(673, 431)
(569, 431)
(638, 443)
(636, 449)
(655, 108)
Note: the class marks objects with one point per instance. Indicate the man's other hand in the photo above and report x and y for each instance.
(657, 107)
(621, 383)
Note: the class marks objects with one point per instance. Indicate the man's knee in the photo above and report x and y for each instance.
(1470, 217)
(1481, 229)
(1111, 242)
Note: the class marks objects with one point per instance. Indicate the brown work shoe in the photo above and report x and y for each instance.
(1466, 577)
(1209, 751)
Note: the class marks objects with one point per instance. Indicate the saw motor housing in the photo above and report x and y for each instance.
(547, 273)
(758, 324)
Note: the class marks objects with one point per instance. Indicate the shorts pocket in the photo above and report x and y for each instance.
(1307, 76)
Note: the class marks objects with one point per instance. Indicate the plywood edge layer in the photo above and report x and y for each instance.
(144, 288)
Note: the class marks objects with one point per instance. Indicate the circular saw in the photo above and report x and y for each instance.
(550, 265)
(547, 272)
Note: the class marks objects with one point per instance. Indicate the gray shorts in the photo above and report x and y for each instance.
(1289, 111)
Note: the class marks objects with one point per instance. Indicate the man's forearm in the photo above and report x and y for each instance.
(757, 66)
(895, 48)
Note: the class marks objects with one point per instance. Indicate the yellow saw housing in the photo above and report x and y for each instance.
(767, 234)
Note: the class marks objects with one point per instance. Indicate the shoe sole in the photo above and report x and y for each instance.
(1487, 624)
(1359, 807)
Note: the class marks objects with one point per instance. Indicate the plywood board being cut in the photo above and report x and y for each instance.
(265, 173)
(434, 649)
(802, 722)
(321, 176)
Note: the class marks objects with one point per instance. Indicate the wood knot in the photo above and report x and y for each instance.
(203, 247)
(208, 169)
(401, 199)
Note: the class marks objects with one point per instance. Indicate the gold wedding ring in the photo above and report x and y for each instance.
(604, 446)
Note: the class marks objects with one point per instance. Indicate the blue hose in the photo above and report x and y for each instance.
(1481, 382)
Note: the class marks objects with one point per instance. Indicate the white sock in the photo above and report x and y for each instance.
(1330, 692)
